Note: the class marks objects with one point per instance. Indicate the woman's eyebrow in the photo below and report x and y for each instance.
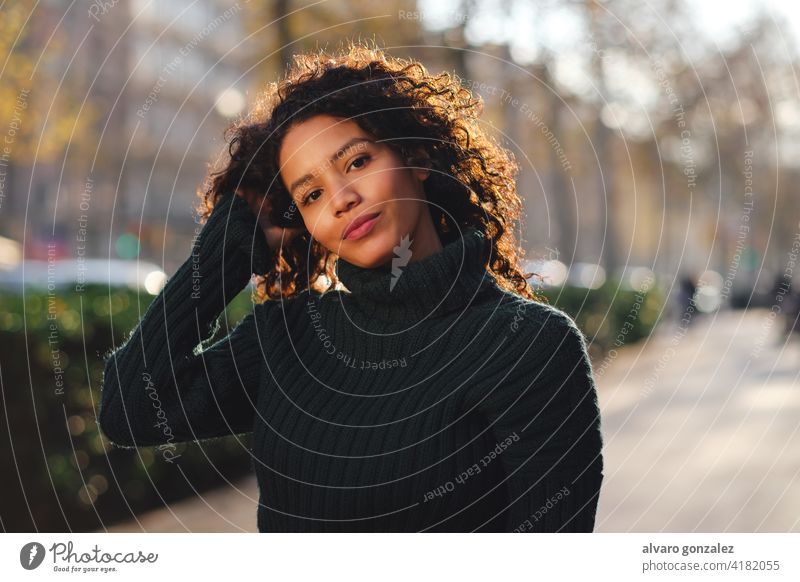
(331, 160)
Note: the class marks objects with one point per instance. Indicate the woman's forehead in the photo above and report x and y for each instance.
(320, 131)
(314, 144)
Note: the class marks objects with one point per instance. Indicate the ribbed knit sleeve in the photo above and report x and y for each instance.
(157, 388)
(545, 419)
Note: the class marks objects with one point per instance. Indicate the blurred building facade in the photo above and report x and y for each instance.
(603, 180)
(161, 82)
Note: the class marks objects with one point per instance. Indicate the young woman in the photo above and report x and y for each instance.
(397, 371)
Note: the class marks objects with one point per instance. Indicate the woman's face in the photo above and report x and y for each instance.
(337, 173)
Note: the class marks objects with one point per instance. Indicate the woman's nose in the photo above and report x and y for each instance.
(344, 199)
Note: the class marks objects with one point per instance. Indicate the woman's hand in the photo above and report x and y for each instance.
(261, 206)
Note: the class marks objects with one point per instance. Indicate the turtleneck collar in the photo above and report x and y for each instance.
(445, 281)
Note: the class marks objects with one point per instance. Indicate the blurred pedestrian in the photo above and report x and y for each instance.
(685, 300)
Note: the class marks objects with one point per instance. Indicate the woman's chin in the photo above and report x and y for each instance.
(370, 252)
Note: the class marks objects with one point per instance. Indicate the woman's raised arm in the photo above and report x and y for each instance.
(156, 389)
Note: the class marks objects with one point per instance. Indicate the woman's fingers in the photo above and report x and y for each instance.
(261, 206)
(277, 236)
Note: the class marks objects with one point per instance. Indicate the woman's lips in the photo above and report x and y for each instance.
(363, 228)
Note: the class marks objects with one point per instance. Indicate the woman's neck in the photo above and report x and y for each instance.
(424, 240)
(403, 293)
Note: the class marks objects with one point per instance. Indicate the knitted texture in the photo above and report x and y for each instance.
(422, 398)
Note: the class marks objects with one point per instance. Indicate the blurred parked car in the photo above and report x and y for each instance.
(74, 273)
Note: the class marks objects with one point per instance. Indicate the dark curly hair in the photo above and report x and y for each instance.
(472, 179)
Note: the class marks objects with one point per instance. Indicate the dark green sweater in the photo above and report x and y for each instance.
(439, 402)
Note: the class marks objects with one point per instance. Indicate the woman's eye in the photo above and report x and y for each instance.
(361, 159)
(364, 159)
(308, 199)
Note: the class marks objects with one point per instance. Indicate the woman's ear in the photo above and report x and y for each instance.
(420, 163)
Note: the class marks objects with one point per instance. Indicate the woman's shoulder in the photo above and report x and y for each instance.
(531, 319)
(528, 337)
(534, 343)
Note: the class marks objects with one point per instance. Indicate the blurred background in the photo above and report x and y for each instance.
(658, 145)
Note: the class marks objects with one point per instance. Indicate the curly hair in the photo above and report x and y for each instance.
(471, 183)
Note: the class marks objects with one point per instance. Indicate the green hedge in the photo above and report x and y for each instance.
(60, 474)
(610, 316)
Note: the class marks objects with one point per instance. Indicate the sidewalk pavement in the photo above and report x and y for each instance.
(702, 430)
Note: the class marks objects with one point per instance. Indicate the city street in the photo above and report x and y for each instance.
(714, 443)
(702, 433)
